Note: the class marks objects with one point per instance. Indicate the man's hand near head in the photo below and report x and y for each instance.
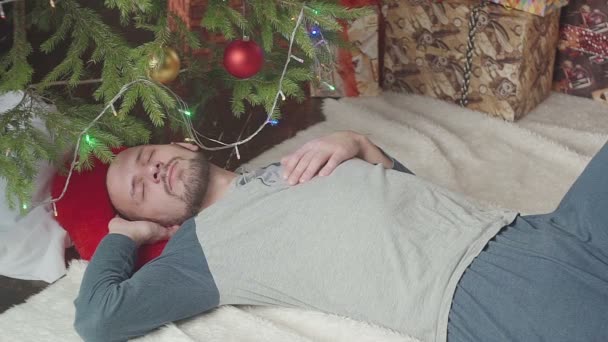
(321, 156)
(142, 232)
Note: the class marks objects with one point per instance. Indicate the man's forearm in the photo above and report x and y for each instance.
(115, 304)
(112, 264)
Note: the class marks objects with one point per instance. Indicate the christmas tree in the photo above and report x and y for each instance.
(88, 98)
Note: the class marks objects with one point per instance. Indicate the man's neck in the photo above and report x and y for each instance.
(219, 182)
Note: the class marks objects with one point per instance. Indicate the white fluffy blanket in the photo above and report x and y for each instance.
(525, 166)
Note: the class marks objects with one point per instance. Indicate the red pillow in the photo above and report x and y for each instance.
(85, 211)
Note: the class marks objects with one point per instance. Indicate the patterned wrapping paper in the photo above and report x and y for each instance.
(513, 59)
(356, 72)
(582, 61)
(538, 7)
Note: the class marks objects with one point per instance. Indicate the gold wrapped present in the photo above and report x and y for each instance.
(510, 53)
(538, 7)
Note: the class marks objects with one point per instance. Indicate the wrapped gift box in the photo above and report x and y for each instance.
(511, 63)
(355, 71)
(582, 59)
(538, 7)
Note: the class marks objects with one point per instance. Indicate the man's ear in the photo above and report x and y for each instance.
(188, 146)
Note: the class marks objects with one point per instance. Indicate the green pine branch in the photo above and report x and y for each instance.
(15, 71)
(97, 54)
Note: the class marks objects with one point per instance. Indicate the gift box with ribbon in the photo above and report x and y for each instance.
(538, 7)
(354, 72)
(476, 54)
(582, 59)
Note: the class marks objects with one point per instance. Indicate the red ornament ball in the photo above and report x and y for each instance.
(243, 58)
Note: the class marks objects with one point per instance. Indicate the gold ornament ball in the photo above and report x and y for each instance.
(168, 71)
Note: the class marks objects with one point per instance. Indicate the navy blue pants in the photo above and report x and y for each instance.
(544, 277)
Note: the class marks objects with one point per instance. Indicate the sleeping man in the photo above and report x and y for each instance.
(339, 227)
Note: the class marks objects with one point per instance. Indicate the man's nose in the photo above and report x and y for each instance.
(153, 171)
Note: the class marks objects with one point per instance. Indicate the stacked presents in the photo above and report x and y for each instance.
(493, 56)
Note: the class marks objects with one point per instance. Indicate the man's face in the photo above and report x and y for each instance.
(159, 183)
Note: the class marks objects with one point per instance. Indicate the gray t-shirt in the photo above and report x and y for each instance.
(365, 242)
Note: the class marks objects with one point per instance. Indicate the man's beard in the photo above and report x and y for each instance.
(196, 183)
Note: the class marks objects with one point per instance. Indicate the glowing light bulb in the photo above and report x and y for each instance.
(331, 87)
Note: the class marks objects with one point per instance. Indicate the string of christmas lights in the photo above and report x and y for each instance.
(324, 42)
(320, 68)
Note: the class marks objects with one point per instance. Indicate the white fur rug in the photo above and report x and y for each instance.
(525, 166)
